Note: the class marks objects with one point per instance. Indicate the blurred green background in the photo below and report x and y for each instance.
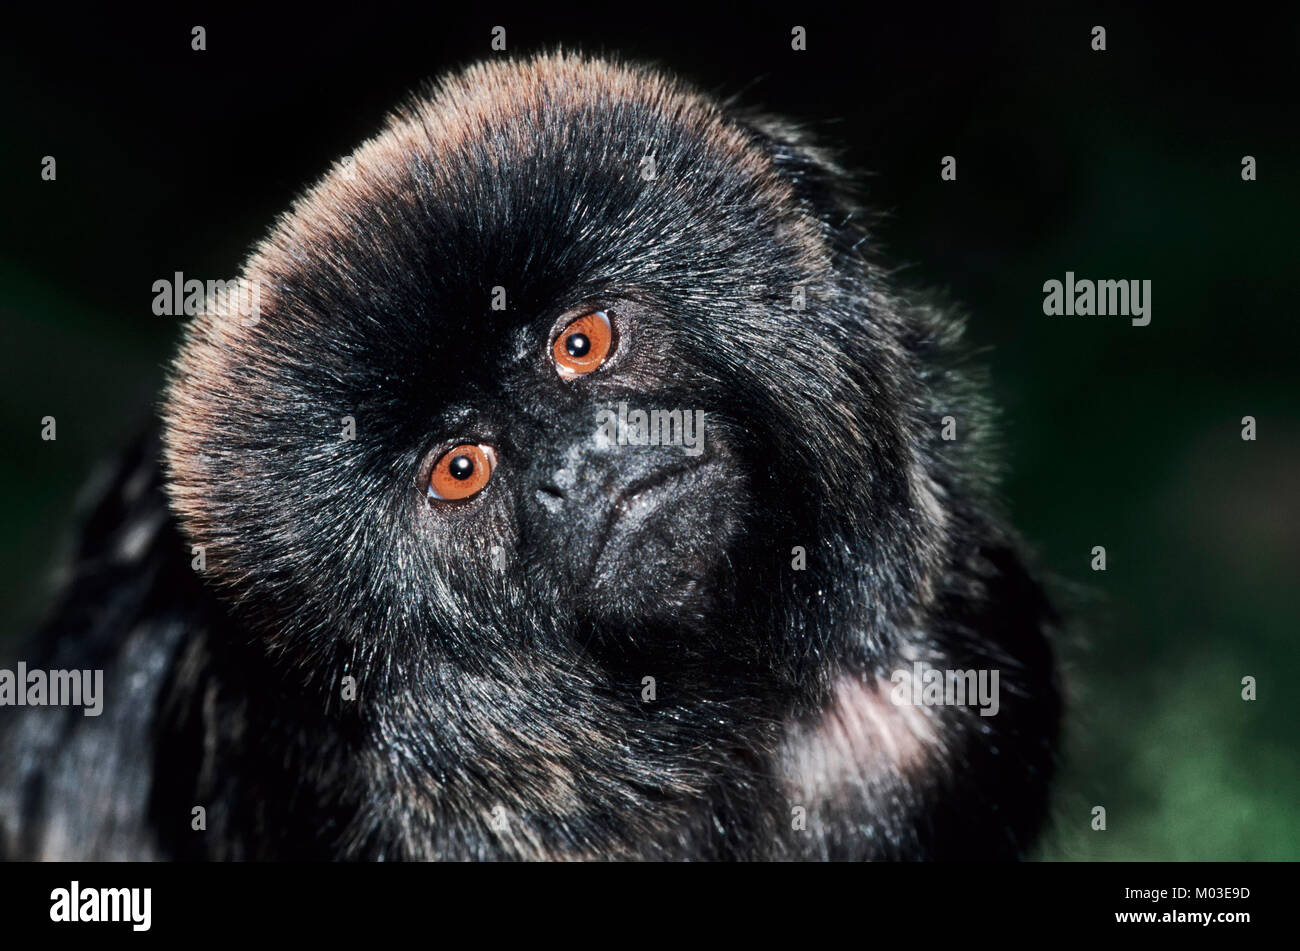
(1122, 164)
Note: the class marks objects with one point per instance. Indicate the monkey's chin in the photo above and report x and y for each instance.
(668, 559)
(683, 602)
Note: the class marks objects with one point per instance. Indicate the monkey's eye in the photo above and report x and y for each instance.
(583, 345)
(461, 472)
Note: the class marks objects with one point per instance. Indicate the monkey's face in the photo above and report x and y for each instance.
(558, 358)
(577, 450)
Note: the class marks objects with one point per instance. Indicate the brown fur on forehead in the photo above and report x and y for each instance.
(500, 109)
(500, 105)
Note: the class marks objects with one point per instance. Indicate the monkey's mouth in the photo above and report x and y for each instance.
(638, 505)
(665, 534)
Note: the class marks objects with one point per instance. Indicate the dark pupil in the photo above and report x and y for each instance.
(462, 467)
(577, 344)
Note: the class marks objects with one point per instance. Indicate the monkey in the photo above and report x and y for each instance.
(579, 486)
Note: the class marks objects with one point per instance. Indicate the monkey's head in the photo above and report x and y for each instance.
(574, 380)
(569, 361)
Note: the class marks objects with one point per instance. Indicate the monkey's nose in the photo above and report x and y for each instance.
(550, 496)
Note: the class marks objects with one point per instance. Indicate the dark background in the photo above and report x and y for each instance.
(1119, 164)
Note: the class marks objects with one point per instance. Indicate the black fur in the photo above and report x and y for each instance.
(500, 710)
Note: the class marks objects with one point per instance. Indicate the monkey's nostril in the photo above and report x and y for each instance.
(551, 497)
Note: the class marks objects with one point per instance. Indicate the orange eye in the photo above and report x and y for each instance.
(461, 472)
(583, 345)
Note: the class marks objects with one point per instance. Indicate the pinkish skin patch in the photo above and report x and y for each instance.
(861, 738)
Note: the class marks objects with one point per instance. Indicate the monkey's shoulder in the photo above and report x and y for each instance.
(78, 728)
